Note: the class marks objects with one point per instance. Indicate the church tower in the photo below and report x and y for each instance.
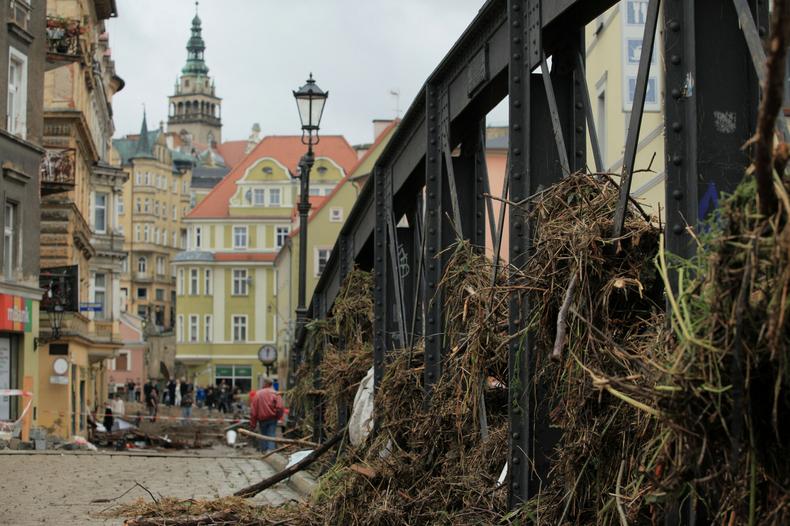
(195, 110)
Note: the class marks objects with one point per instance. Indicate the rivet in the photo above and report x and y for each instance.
(516, 485)
(516, 23)
(516, 127)
(516, 248)
(430, 375)
(517, 40)
(675, 93)
(517, 56)
(579, 106)
(517, 103)
(762, 31)
(677, 160)
(579, 153)
(516, 436)
(677, 195)
(677, 229)
(674, 25)
(516, 151)
(516, 79)
(516, 460)
(579, 129)
(676, 126)
(675, 59)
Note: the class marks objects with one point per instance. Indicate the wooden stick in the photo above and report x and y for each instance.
(562, 318)
(770, 106)
(278, 440)
(251, 491)
(220, 517)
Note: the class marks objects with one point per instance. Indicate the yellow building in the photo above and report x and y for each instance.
(614, 44)
(226, 283)
(324, 223)
(155, 200)
(81, 245)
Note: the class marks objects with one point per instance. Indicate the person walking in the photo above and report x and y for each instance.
(267, 408)
(152, 402)
(118, 406)
(186, 405)
(224, 396)
(130, 391)
(171, 392)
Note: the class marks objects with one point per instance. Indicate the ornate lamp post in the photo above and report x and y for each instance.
(310, 100)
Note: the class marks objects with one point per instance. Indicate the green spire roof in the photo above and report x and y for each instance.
(144, 147)
(195, 47)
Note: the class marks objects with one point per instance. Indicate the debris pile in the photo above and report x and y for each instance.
(651, 409)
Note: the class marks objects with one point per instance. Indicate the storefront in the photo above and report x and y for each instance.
(234, 376)
(17, 358)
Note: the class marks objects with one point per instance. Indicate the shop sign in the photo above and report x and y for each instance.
(15, 313)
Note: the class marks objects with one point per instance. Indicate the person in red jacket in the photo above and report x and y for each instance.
(266, 409)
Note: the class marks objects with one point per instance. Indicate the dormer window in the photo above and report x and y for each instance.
(322, 170)
(248, 197)
(259, 197)
(268, 170)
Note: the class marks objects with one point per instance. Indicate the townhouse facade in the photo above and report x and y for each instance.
(155, 199)
(226, 281)
(81, 244)
(22, 52)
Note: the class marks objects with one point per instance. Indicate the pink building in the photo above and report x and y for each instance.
(129, 362)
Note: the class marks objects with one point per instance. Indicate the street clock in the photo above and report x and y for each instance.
(267, 354)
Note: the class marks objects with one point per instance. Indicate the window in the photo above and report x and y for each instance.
(121, 362)
(239, 282)
(156, 208)
(274, 197)
(142, 293)
(138, 179)
(336, 215)
(259, 196)
(142, 265)
(207, 282)
(9, 240)
(99, 296)
(17, 92)
(175, 215)
(207, 327)
(125, 265)
(239, 328)
(146, 233)
(239, 237)
(159, 294)
(124, 298)
(198, 236)
(175, 237)
(315, 191)
(180, 328)
(157, 237)
(160, 265)
(235, 376)
(137, 232)
(282, 235)
(193, 328)
(147, 180)
(321, 258)
(20, 13)
(193, 281)
(119, 207)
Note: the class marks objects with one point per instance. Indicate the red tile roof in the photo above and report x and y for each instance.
(244, 256)
(286, 149)
(233, 152)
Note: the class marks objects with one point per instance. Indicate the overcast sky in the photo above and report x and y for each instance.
(258, 51)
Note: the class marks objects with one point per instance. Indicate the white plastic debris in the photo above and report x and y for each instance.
(502, 476)
(361, 423)
(298, 456)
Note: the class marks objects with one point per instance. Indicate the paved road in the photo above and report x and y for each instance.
(57, 489)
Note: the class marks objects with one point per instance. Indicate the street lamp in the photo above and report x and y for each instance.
(310, 100)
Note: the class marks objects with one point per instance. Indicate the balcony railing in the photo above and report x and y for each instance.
(64, 43)
(58, 171)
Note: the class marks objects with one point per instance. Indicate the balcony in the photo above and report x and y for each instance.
(64, 42)
(58, 171)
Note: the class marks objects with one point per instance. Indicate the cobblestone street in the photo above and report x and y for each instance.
(58, 488)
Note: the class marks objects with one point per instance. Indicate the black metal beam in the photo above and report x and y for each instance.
(434, 241)
(380, 277)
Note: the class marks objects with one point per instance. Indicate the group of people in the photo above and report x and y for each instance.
(177, 392)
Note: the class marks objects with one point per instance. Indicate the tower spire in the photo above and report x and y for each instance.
(142, 143)
(196, 46)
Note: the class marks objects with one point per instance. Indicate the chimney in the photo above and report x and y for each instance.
(379, 125)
